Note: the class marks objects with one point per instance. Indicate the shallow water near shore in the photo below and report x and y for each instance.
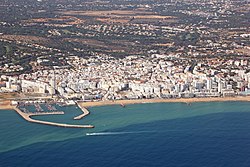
(160, 134)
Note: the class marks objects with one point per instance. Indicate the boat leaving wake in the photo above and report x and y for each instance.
(115, 133)
(165, 131)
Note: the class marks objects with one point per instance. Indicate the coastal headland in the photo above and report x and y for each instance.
(180, 100)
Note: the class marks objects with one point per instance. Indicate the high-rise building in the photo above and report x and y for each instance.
(8, 84)
(53, 84)
(219, 86)
(209, 84)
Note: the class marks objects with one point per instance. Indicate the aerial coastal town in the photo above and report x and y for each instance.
(135, 77)
(118, 50)
(140, 83)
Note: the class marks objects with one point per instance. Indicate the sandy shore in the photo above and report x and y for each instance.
(182, 100)
(5, 105)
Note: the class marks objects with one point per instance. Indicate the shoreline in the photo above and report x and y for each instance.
(181, 100)
(6, 105)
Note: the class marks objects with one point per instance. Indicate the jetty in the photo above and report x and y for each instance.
(27, 117)
(84, 110)
(46, 113)
(123, 105)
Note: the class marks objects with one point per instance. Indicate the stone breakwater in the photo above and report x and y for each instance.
(84, 110)
(27, 117)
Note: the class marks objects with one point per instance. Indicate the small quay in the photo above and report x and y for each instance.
(22, 110)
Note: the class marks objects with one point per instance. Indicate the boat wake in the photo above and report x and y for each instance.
(115, 133)
(163, 132)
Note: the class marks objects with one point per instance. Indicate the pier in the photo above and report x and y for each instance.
(84, 110)
(27, 117)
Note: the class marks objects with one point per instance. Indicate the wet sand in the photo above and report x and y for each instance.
(181, 100)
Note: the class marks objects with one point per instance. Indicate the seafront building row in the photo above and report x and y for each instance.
(135, 77)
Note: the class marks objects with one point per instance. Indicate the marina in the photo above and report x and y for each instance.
(48, 109)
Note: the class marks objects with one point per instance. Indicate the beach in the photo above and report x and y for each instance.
(180, 100)
(6, 105)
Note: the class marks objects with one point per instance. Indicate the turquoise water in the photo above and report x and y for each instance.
(163, 134)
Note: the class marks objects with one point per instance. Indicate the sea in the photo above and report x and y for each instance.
(207, 134)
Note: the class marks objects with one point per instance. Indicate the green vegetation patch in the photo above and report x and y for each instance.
(9, 49)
